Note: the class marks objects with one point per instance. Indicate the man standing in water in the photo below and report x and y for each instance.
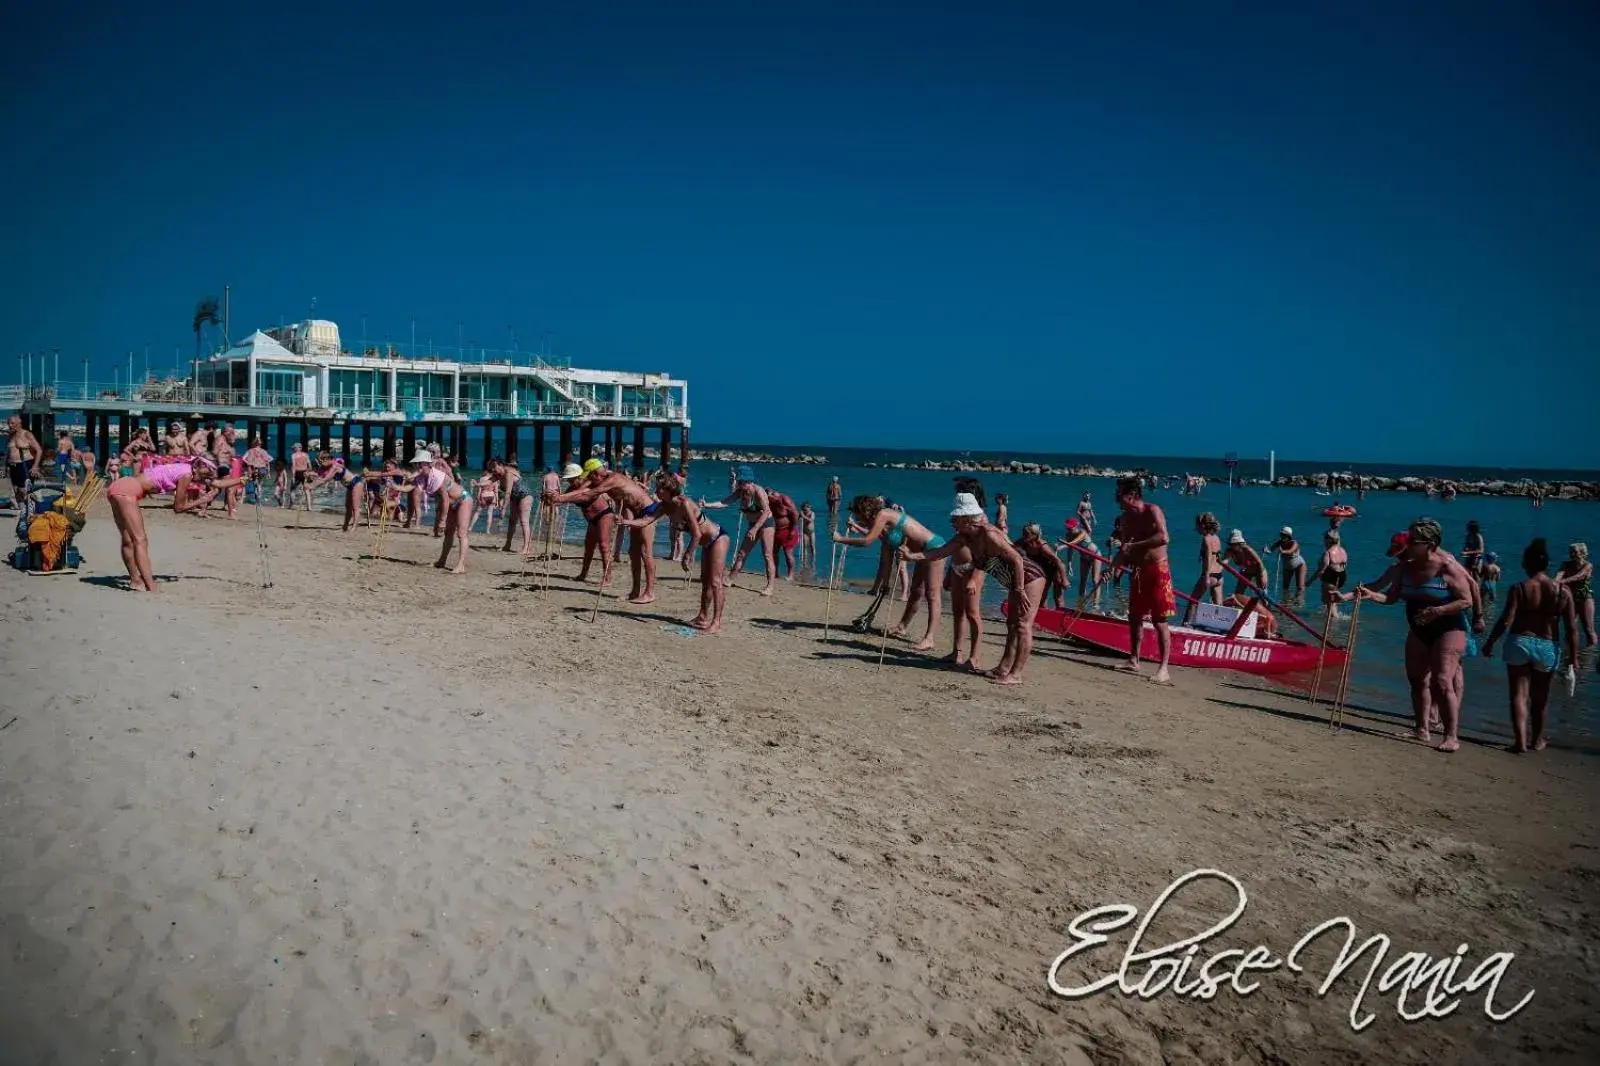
(1144, 552)
(835, 494)
(22, 458)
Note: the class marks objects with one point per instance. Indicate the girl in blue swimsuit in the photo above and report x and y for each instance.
(895, 529)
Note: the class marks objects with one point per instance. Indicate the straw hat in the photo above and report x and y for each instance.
(422, 456)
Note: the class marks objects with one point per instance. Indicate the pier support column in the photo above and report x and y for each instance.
(564, 439)
(345, 444)
(510, 451)
(638, 448)
(538, 448)
(124, 435)
(88, 433)
(283, 442)
(488, 444)
(666, 447)
(585, 441)
(408, 442)
(388, 440)
(683, 446)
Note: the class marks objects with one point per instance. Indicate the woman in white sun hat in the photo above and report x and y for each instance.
(1291, 562)
(1246, 560)
(996, 555)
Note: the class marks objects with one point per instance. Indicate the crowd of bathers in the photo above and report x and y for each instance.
(1445, 597)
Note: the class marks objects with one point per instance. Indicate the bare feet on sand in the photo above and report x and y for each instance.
(1005, 679)
(1161, 677)
(641, 600)
(1129, 667)
(926, 645)
(1449, 746)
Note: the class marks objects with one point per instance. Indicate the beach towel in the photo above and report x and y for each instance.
(50, 531)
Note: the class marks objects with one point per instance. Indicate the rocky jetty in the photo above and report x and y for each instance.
(1551, 490)
(728, 455)
(1008, 466)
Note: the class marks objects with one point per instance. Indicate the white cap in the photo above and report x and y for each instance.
(422, 456)
(1286, 531)
(966, 506)
(1236, 537)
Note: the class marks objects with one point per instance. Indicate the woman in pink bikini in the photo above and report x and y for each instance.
(435, 478)
(160, 479)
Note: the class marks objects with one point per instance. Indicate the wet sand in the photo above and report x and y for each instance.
(380, 814)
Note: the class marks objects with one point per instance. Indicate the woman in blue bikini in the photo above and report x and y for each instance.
(1438, 595)
(1535, 609)
(710, 536)
(894, 527)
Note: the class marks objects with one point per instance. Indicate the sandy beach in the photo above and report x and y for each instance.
(379, 814)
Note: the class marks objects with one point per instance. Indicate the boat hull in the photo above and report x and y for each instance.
(1193, 647)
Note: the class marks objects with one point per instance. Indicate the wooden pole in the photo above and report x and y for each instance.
(1322, 652)
(1336, 718)
(835, 564)
(883, 646)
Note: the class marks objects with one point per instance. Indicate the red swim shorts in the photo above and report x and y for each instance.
(787, 537)
(1152, 596)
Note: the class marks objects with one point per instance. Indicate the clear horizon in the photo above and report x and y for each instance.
(1352, 229)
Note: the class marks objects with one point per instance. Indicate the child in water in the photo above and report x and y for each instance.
(1489, 579)
(808, 535)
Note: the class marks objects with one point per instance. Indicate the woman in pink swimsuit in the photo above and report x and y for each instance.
(434, 478)
(165, 479)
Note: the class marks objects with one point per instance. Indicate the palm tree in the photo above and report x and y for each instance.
(206, 313)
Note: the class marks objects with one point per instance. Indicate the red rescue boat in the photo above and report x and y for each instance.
(1231, 643)
(1193, 647)
(1339, 510)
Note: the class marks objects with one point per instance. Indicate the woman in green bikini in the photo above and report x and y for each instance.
(1575, 575)
(894, 528)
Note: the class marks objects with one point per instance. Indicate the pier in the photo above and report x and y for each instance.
(298, 383)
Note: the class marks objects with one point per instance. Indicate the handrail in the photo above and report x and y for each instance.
(177, 393)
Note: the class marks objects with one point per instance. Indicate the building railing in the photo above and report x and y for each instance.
(467, 356)
(343, 404)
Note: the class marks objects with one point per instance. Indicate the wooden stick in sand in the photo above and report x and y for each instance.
(894, 583)
(738, 538)
(1336, 717)
(544, 563)
(261, 543)
(835, 565)
(1322, 652)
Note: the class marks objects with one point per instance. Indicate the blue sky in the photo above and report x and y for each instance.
(1348, 232)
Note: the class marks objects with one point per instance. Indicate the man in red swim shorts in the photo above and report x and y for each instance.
(1144, 552)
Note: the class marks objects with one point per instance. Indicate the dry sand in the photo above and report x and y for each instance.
(379, 814)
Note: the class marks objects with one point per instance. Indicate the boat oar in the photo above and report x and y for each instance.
(1267, 598)
(1336, 716)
